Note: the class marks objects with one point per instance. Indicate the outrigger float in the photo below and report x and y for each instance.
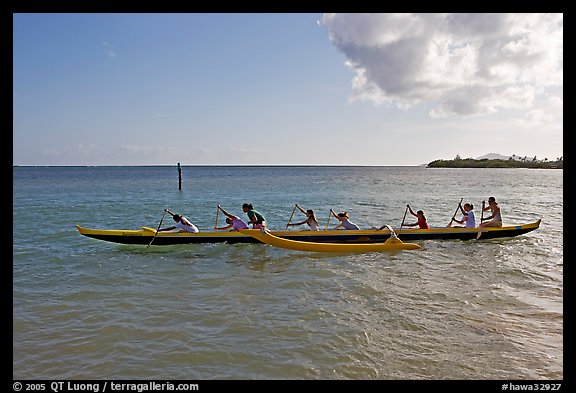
(392, 244)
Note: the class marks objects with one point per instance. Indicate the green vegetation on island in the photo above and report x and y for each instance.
(498, 163)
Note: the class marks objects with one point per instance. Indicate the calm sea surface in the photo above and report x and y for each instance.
(89, 309)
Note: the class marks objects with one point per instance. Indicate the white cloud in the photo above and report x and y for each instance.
(242, 150)
(135, 154)
(150, 151)
(109, 49)
(75, 150)
(121, 154)
(550, 112)
(468, 64)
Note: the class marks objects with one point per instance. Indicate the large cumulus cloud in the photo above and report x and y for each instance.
(467, 64)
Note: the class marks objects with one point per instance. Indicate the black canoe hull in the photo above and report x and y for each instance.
(330, 236)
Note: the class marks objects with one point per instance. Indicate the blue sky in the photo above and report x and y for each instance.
(284, 89)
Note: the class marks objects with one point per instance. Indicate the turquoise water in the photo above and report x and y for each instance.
(84, 308)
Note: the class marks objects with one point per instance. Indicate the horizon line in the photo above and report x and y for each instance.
(218, 165)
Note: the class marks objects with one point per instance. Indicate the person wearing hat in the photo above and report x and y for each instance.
(495, 220)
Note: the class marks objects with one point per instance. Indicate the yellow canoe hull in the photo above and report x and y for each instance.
(391, 244)
(367, 236)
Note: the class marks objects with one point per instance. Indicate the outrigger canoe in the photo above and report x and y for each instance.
(392, 244)
(144, 235)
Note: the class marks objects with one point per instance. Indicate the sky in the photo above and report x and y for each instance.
(284, 88)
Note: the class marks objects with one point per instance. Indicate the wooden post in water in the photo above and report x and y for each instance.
(179, 177)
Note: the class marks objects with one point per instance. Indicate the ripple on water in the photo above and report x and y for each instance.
(87, 309)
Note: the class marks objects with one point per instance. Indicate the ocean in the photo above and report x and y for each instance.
(455, 310)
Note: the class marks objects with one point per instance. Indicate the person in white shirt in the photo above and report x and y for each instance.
(467, 216)
(182, 224)
(345, 222)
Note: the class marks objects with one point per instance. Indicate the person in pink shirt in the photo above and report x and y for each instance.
(234, 222)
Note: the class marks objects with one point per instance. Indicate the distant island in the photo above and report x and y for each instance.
(510, 162)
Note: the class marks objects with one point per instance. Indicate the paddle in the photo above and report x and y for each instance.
(481, 219)
(403, 218)
(157, 229)
(329, 215)
(217, 210)
(292, 215)
(455, 211)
